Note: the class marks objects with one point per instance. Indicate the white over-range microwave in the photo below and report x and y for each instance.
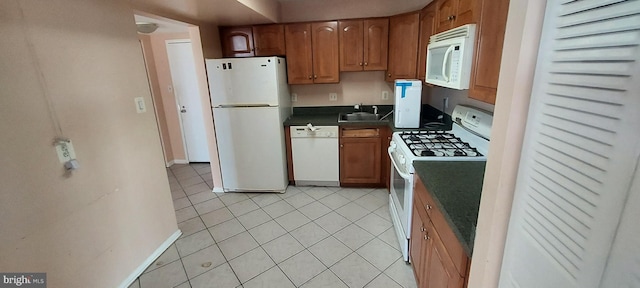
(449, 57)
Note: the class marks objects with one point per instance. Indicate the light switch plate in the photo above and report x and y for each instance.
(140, 106)
(385, 95)
(294, 97)
(333, 96)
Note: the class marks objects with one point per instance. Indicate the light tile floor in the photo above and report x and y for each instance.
(307, 237)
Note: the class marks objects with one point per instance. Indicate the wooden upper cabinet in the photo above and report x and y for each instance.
(324, 39)
(299, 59)
(364, 44)
(427, 28)
(269, 40)
(403, 46)
(351, 45)
(312, 52)
(237, 41)
(376, 44)
(454, 13)
(467, 12)
(485, 69)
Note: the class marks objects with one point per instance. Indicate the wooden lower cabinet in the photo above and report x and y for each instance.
(360, 156)
(363, 156)
(419, 246)
(440, 270)
(386, 161)
(436, 258)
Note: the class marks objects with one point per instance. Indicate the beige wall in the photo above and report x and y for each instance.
(207, 115)
(514, 90)
(210, 39)
(98, 225)
(354, 88)
(161, 117)
(166, 94)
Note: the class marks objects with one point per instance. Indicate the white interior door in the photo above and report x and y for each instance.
(581, 151)
(185, 87)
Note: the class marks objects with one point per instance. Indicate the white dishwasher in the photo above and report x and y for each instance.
(315, 155)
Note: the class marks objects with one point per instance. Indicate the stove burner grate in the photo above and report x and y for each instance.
(437, 143)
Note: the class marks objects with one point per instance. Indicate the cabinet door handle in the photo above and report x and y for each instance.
(427, 206)
(341, 145)
(360, 64)
(309, 76)
(366, 64)
(315, 76)
(389, 75)
(421, 229)
(426, 237)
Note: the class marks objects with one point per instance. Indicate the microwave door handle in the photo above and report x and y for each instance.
(444, 63)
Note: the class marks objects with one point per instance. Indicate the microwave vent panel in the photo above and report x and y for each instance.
(468, 30)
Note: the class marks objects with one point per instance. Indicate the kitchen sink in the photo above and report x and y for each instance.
(358, 117)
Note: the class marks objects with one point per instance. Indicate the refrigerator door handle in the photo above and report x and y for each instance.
(243, 106)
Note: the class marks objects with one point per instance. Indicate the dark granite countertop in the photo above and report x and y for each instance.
(456, 187)
(328, 116)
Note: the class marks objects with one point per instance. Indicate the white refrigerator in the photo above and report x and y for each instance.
(250, 101)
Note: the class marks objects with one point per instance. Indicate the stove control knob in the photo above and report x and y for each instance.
(401, 159)
(393, 145)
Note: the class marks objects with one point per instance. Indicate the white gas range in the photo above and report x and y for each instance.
(468, 140)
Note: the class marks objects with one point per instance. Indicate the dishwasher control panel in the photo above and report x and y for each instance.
(311, 131)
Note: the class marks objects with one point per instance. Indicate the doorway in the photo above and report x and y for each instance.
(185, 89)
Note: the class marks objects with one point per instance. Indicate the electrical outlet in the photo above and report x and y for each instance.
(385, 95)
(294, 97)
(333, 96)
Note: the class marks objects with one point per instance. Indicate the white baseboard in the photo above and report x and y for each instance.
(164, 246)
(176, 161)
(218, 190)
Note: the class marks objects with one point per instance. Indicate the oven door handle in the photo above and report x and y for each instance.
(393, 160)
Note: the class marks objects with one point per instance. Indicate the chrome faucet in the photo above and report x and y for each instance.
(375, 109)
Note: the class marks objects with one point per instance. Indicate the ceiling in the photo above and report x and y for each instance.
(248, 12)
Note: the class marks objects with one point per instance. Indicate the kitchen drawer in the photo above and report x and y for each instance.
(440, 224)
(359, 132)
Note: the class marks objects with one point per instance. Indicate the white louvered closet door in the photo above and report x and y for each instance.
(581, 152)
